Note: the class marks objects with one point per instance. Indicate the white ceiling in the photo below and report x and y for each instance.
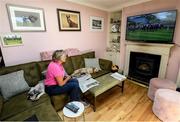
(108, 5)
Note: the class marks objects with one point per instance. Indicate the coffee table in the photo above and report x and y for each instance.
(68, 113)
(106, 82)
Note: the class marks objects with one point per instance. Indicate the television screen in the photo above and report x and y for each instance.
(154, 27)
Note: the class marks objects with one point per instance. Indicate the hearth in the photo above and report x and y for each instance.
(143, 66)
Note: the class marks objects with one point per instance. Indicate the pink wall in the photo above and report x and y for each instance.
(35, 42)
(153, 6)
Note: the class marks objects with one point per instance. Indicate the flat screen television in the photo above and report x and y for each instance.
(153, 27)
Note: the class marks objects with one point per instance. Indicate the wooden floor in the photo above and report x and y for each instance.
(132, 105)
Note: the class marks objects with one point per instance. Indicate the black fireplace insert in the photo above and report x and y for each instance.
(143, 67)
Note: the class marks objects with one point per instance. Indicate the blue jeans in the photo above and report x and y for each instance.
(71, 88)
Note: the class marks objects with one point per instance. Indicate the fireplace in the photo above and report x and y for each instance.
(144, 70)
(143, 66)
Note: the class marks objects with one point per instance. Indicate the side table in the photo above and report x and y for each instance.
(69, 114)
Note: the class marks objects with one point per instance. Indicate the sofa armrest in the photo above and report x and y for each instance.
(105, 64)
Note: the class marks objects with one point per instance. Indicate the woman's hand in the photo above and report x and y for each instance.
(62, 81)
(68, 77)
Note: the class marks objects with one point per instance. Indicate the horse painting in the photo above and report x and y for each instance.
(70, 22)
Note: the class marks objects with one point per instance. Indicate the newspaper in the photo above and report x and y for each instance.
(86, 82)
(118, 76)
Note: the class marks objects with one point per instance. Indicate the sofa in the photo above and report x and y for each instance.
(18, 108)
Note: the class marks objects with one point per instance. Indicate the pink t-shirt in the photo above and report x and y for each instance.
(54, 69)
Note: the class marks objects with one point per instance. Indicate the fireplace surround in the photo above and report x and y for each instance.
(163, 50)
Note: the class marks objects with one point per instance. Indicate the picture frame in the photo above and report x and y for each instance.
(96, 23)
(69, 20)
(10, 40)
(26, 19)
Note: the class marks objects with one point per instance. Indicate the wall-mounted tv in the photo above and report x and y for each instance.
(153, 27)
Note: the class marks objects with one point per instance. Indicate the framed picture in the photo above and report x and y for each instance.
(69, 20)
(24, 18)
(96, 23)
(11, 40)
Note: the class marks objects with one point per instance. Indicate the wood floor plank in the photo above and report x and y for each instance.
(132, 105)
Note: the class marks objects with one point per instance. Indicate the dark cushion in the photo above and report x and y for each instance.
(99, 73)
(42, 65)
(89, 55)
(105, 64)
(18, 104)
(78, 62)
(31, 72)
(68, 66)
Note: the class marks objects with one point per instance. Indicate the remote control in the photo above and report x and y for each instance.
(72, 107)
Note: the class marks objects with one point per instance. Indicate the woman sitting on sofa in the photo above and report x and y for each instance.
(57, 81)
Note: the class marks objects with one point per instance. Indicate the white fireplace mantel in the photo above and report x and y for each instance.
(151, 48)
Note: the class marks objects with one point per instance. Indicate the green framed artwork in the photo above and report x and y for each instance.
(11, 40)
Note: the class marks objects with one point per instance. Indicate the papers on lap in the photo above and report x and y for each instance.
(86, 82)
(118, 76)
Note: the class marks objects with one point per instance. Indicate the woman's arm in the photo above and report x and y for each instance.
(62, 81)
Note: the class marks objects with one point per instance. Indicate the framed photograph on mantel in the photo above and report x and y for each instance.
(69, 20)
(23, 18)
(96, 23)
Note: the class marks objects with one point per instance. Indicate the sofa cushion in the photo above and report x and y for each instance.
(99, 73)
(12, 84)
(31, 72)
(43, 112)
(92, 62)
(19, 104)
(105, 64)
(78, 62)
(68, 66)
(42, 65)
(89, 55)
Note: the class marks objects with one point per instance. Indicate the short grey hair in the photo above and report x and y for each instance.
(57, 55)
